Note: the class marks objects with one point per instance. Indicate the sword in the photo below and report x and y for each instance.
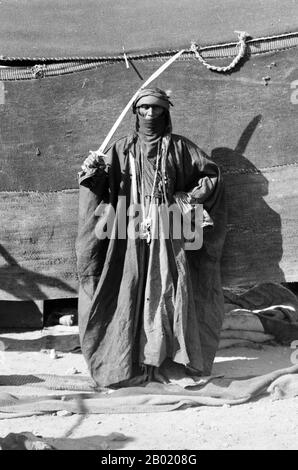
(159, 71)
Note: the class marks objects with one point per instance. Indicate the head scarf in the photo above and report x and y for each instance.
(153, 96)
(151, 130)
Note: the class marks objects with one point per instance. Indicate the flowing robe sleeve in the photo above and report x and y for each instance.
(201, 178)
(98, 189)
(196, 174)
(107, 270)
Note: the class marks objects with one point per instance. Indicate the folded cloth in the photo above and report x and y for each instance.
(266, 308)
(279, 312)
(266, 295)
(284, 332)
(255, 336)
(226, 343)
(240, 319)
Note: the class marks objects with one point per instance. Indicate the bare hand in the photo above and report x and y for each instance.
(183, 197)
(94, 160)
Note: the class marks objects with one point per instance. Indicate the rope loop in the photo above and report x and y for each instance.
(242, 35)
(39, 71)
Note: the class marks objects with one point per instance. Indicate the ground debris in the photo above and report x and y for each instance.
(117, 436)
(72, 371)
(64, 413)
(67, 320)
(23, 441)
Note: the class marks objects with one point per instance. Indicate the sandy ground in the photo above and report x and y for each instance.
(260, 424)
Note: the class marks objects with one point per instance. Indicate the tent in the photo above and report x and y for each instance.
(63, 82)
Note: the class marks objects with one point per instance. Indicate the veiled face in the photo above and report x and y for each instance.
(150, 111)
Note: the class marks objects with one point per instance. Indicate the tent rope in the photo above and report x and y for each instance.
(16, 68)
(39, 71)
(242, 51)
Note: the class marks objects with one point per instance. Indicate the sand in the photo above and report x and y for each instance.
(260, 424)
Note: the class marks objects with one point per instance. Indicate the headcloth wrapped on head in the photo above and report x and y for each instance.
(152, 96)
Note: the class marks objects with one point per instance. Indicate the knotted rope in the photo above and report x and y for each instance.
(242, 51)
(11, 68)
(39, 71)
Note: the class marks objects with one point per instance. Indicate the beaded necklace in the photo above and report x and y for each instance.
(146, 224)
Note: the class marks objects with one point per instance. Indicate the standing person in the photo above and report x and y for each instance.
(148, 308)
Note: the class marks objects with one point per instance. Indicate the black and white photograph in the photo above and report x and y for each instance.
(149, 228)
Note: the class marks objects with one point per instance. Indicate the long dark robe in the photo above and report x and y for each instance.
(139, 303)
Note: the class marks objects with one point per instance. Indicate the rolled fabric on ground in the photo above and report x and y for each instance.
(269, 295)
(279, 312)
(254, 336)
(240, 319)
(238, 343)
(229, 307)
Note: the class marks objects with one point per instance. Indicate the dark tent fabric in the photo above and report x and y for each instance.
(243, 120)
(93, 28)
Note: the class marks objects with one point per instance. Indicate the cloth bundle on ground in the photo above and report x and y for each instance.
(154, 397)
(266, 312)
